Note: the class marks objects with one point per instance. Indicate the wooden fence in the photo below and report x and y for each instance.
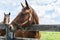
(43, 28)
(9, 35)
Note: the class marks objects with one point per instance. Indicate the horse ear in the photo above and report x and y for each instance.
(26, 4)
(9, 13)
(22, 5)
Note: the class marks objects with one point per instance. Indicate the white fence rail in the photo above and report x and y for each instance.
(2, 38)
(17, 38)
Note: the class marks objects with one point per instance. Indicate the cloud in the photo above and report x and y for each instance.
(47, 10)
(42, 2)
(1, 15)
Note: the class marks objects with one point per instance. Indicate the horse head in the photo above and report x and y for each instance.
(25, 17)
(6, 18)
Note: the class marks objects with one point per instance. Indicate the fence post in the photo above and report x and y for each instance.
(7, 32)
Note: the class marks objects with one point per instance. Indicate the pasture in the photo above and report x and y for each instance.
(49, 35)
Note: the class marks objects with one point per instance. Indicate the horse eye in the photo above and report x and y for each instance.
(26, 14)
(22, 14)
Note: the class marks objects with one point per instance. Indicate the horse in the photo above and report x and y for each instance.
(26, 17)
(6, 18)
(5, 21)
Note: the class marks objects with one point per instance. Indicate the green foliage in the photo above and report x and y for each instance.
(48, 35)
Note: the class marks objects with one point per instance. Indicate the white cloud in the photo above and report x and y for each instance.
(40, 6)
(57, 11)
(1, 15)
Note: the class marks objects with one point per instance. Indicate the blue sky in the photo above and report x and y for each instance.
(47, 10)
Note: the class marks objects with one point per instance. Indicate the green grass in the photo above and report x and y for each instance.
(46, 35)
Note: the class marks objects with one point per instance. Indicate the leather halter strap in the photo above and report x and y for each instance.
(27, 21)
(21, 28)
(29, 18)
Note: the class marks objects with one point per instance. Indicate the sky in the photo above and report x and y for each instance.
(48, 11)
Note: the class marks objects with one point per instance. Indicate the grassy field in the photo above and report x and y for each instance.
(48, 35)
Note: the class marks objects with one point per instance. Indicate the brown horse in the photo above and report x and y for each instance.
(26, 17)
(5, 21)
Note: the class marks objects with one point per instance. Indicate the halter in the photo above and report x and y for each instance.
(29, 18)
(27, 21)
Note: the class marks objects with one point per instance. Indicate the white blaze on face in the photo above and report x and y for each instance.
(7, 20)
(30, 17)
